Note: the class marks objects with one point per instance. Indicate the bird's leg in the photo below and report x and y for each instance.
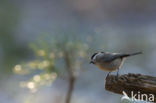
(108, 74)
(117, 74)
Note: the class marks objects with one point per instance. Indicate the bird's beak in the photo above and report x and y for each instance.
(91, 62)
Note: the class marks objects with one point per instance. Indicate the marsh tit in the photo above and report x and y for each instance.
(110, 61)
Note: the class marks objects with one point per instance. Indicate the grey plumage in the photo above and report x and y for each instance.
(110, 61)
(108, 57)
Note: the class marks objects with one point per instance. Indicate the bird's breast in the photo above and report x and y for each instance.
(110, 66)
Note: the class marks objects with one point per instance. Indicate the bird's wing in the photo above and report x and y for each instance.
(112, 56)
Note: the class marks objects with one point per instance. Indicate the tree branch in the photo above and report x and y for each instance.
(138, 83)
(71, 77)
(71, 85)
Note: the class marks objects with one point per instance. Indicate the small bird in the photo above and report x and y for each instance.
(110, 61)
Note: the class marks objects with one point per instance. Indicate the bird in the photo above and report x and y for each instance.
(110, 62)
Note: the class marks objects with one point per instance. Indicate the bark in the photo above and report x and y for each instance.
(70, 89)
(71, 77)
(138, 83)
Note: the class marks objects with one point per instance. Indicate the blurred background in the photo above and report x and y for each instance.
(46, 45)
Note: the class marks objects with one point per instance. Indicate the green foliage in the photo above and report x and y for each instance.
(46, 66)
(12, 51)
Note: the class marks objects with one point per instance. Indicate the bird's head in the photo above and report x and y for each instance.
(94, 57)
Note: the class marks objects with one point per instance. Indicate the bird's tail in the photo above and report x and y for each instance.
(137, 53)
(126, 55)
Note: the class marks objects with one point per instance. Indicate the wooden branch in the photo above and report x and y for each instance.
(138, 83)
